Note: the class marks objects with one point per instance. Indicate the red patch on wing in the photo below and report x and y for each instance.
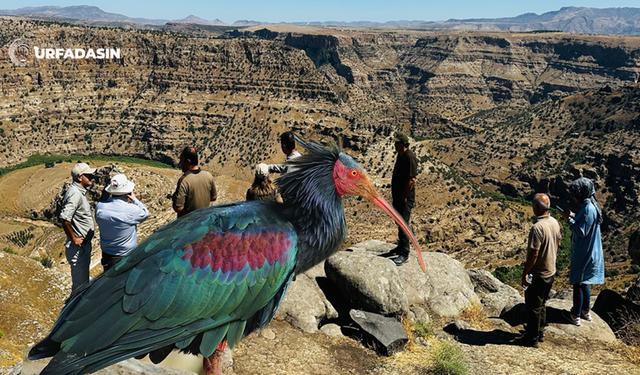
(233, 250)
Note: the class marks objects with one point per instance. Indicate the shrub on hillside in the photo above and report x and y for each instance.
(509, 275)
(449, 360)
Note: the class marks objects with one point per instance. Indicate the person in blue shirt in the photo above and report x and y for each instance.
(587, 259)
(117, 219)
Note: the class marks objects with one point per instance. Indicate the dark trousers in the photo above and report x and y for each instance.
(404, 209)
(581, 298)
(535, 300)
(109, 261)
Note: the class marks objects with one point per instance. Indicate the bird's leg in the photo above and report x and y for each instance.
(213, 365)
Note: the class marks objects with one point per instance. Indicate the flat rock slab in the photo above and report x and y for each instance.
(597, 329)
(385, 335)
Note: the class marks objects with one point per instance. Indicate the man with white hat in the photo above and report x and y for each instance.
(118, 220)
(77, 223)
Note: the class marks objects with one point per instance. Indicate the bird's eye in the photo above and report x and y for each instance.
(353, 172)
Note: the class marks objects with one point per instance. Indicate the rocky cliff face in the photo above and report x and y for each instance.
(458, 73)
(542, 149)
(169, 90)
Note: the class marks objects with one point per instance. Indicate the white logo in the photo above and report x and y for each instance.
(19, 53)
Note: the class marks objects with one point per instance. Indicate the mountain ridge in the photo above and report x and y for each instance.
(581, 20)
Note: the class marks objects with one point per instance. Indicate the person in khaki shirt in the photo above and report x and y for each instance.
(196, 188)
(542, 251)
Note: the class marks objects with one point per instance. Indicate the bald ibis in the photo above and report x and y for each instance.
(212, 276)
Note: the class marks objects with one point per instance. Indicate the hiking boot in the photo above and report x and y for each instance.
(586, 315)
(400, 259)
(526, 341)
(540, 337)
(575, 320)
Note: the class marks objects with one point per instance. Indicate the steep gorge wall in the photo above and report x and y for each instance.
(233, 96)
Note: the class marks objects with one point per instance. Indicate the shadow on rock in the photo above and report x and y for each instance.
(481, 338)
(334, 296)
(518, 315)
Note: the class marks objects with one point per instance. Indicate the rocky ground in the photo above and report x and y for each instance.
(485, 344)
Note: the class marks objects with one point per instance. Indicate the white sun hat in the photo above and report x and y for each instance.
(262, 170)
(119, 185)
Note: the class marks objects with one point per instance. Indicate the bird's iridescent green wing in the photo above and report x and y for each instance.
(209, 272)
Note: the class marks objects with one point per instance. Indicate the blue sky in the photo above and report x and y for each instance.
(324, 10)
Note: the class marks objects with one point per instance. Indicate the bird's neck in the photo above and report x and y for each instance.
(321, 229)
(313, 205)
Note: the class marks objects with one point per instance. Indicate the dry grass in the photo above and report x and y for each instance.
(630, 353)
(474, 315)
(426, 353)
(629, 334)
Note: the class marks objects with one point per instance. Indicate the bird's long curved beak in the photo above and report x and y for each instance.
(379, 201)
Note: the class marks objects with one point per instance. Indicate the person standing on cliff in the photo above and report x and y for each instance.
(262, 188)
(587, 258)
(78, 225)
(196, 188)
(403, 192)
(118, 220)
(288, 145)
(542, 250)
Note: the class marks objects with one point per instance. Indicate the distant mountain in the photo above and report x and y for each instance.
(197, 20)
(80, 12)
(581, 20)
(248, 23)
(92, 13)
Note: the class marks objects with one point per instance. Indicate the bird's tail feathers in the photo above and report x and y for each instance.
(44, 349)
(47, 347)
(127, 347)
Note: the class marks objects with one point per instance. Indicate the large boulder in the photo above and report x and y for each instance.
(615, 309)
(597, 329)
(493, 304)
(305, 305)
(368, 282)
(445, 288)
(634, 246)
(484, 282)
(495, 295)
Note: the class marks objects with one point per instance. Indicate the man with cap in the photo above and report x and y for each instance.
(403, 192)
(117, 219)
(77, 223)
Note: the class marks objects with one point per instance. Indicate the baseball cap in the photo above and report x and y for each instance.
(401, 137)
(80, 169)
